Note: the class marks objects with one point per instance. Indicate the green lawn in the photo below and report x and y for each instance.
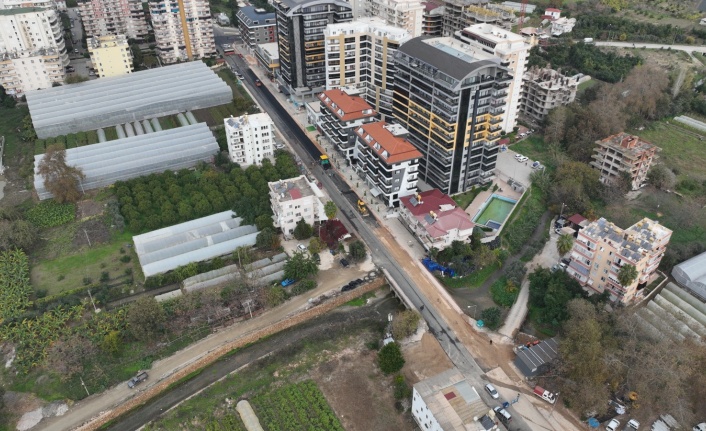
(472, 281)
(586, 85)
(10, 120)
(463, 200)
(535, 148)
(89, 262)
(360, 301)
(681, 148)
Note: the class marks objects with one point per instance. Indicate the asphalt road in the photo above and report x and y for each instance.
(687, 48)
(382, 257)
(326, 327)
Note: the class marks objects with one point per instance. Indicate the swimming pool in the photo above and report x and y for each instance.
(494, 211)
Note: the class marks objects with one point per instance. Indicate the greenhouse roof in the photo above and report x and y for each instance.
(194, 241)
(122, 159)
(136, 96)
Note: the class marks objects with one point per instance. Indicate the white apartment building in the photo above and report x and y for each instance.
(512, 49)
(184, 32)
(387, 161)
(602, 248)
(295, 199)
(404, 14)
(448, 402)
(250, 139)
(563, 25)
(361, 54)
(32, 50)
(110, 55)
(44, 4)
(108, 17)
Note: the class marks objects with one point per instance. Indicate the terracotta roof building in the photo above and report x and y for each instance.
(435, 220)
(387, 161)
(340, 114)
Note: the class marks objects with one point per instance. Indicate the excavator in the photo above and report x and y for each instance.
(362, 209)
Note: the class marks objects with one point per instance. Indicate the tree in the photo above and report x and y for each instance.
(274, 296)
(564, 244)
(16, 233)
(627, 274)
(330, 209)
(661, 177)
(405, 324)
(357, 251)
(303, 230)
(483, 256)
(300, 266)
(61, 180)
(316, 245)
(146, 318)
(267, 238)
(67, 356)
(491, 317)
(390, 358)
(75, 79)
(112, 343)
(263, 221)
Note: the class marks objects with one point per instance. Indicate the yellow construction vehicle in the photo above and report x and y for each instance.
(362, 208)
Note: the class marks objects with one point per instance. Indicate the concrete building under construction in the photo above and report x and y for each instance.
(545, 89)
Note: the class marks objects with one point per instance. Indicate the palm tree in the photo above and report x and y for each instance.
(564, 244)
(627, 274)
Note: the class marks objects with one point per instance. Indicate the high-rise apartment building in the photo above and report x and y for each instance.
(433, 19)
(110, 55)
(341, 114)
(405, 14)
(256, 26)
(452, 98)
(32, 50)
(602, 248)
(106, 17)
(624, 155)
(361, 54)
(456, 15)
(251, 138)
(300, 34)
(183, 30)
(45, 4)
(512, 49)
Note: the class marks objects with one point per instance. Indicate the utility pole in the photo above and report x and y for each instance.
(94, 304)
(84, 386)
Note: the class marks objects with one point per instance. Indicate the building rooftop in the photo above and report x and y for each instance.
(252, 120)
(632, 242)
(271, 48)
(385, 140)
(452, 400)
(550, 79)
(628, 145)
(253, 17)
(291, 189)
(107, 41)
(21, 10)
(368, 25)
(450, 56)
(530, 359)
(437, 212)
(295, 5)
(345, 106)
(493, 33)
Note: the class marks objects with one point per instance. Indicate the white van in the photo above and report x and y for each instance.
(503, 415)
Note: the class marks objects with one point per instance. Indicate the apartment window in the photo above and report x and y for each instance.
(605, 271)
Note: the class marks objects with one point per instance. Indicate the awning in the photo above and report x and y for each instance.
(375, 192)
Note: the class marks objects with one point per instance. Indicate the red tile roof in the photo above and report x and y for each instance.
(452, 217)
(551, 9)
(346, 107)
(398, 149)
(576, 219)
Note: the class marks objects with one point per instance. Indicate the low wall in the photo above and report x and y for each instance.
(212, 356)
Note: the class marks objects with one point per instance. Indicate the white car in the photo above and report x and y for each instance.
(700, 427)
(301, 247)
(491, 390)
(518, 156)
(612, 425)
(522, 159)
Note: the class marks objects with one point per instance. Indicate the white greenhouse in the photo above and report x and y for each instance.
(692, 275)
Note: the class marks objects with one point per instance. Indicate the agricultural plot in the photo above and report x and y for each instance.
(15, 289)
(296, 406)
(51, 213)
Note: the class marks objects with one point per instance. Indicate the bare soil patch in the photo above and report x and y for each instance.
(93, 231)
(359, 393)
(424, 359)
(86, 209)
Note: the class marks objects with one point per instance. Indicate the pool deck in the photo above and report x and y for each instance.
(503, 190)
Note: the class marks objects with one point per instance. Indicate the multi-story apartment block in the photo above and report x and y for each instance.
(300, 35)
(295, 199)
(182, 30)
(267, 55)
(32, 50)
(44, 4)
(602, 248)
(106, 17)
(405, 14)
(433, 19)
(624, 155)
(512, 49)
(545, 89)
(456, 16)
(361, 54)
(340, 115)
(387, 161)
(110, 55)
(452, 99)
(256, 26)
(435, 219)
(250, 139)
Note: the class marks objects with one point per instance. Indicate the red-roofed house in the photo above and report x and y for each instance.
(341, 113)
(388, 161)
(435, 219)
(552, 13)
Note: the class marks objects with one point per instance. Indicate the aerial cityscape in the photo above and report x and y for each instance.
(359, 215)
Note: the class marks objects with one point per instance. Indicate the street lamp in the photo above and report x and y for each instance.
(475, 307)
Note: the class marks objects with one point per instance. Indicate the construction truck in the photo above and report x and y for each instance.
(362, 208)
(325, 162)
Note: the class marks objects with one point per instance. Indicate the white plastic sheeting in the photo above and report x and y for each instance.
(119, 99)
(248, 416)
(198, 240)
(692, 274)
(122, 159)
(260, 272)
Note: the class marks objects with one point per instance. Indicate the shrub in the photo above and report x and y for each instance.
(390, 358)
(405, 324)
(402, 389)
(125, 259)
(303, 286)
(504, 292)
(491, 317)
(105, 277)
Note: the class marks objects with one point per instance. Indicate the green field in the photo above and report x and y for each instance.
(681, 148)
(10, 120)
(535, 148)
(496, 210)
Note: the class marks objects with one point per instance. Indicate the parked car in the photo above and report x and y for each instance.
(612, 425)
(522, 159)
(554, 268)
(258, 83)
(557, 230)
(503, 415)
(288, 282)
(75, 50)
(239, 75)
(345, 263)
(518, 156)
(139, 378)
(632, 425)
(301, 247)
(700, 427)
(492, 391)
